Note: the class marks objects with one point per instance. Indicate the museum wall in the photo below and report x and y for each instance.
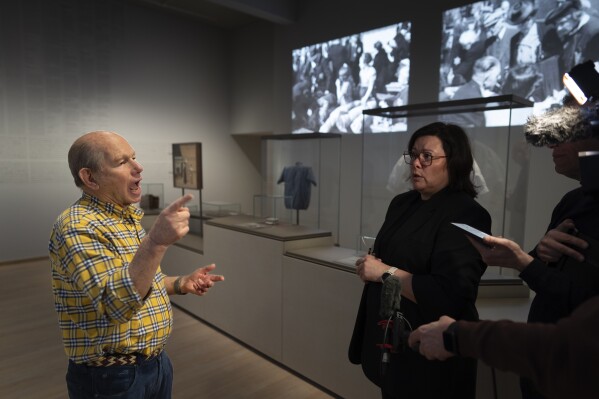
(74, 66)
(157, 78)
(318, 21)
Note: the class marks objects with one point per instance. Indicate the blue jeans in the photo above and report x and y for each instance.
(149, 379)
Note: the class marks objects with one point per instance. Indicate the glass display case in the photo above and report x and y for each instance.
(301, 172)
(212, 209)
(501, 155)
(271, 207)
(152, 196)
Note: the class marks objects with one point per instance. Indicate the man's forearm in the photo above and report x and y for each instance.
(144, 265)
(559, 358)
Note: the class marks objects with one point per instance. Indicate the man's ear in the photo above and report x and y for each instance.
(86, 176)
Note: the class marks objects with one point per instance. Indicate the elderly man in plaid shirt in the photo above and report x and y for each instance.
(110, 294)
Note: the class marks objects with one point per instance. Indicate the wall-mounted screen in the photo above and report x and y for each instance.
(334, 81)
(520, 47)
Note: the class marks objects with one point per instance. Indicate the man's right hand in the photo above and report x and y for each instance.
(558, 242)
(172, 223)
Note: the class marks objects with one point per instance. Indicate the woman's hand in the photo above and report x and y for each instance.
(370, 268)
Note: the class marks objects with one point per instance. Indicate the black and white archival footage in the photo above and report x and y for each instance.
(334, 81)
(520, 47)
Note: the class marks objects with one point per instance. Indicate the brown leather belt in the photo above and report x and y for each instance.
(120, 359)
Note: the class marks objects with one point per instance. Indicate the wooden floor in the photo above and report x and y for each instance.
(207, 364)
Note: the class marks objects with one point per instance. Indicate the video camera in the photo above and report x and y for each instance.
(573, 121)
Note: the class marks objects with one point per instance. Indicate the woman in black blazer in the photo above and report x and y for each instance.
(437, 267)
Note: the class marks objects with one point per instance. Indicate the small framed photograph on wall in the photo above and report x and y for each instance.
(187, 165)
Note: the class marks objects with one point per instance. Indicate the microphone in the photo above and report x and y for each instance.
(390, 297)
(390, 311)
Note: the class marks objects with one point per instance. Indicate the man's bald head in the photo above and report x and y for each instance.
(89, 151)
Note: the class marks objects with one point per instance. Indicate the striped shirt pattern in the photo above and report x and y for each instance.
(99, 309)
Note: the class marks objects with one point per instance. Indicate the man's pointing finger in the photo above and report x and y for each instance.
(179, 203)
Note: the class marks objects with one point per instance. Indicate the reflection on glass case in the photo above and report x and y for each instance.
(501, 158)
(271, 207)
(302, 172)
(220, 208)
(152, 196)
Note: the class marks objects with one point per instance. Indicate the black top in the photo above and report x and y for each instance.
(561, 286)
(417, 236)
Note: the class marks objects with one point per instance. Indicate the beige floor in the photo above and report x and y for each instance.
(207, 364)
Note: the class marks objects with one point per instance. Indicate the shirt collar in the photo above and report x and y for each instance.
(114, 210)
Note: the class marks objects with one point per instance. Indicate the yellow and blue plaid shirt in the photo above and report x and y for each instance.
(99, 309)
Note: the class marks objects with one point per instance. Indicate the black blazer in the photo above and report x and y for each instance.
(417, 236)
(562, 286)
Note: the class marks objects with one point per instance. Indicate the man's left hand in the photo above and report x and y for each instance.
(200, 281)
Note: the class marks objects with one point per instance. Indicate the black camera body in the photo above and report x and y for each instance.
(589, 171)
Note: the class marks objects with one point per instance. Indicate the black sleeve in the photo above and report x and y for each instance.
(561, 359)
(456, 267)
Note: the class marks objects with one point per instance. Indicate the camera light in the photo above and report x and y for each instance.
(583, 82)
(574, 89)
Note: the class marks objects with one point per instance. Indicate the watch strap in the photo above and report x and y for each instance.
(387, 273)
(177, 286)
(450, 338)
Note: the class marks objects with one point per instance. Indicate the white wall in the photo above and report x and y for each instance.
(73, 66)
(78, 65)
(319, 21)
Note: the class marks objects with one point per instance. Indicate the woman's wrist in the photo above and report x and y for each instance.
(387, 273)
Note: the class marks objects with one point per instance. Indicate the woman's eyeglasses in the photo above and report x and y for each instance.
(425, 158)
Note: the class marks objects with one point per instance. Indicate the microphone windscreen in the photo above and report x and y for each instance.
(390, 297)
(565, 124)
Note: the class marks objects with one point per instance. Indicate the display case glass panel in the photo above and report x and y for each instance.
(500, 153)
(302, 173)
(271, 207)
(212, 209)
(152, 196)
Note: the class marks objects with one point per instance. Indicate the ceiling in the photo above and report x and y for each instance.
(228, 14)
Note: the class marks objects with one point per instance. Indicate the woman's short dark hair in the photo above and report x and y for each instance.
(457, 149)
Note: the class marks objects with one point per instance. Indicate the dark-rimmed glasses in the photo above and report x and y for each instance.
(425, 158)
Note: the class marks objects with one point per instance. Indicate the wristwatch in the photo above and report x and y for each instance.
(388, 273)
(177, 286)
(450, 338)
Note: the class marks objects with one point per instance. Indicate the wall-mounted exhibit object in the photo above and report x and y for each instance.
(187, 165)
